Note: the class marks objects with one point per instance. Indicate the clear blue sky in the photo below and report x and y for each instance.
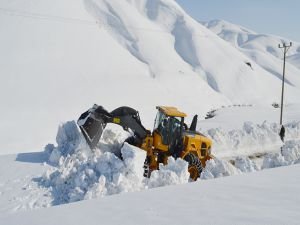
(279, 17)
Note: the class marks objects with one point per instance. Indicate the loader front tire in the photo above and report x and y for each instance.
(147, 171)
(195, 167)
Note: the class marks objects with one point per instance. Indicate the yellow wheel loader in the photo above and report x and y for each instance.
(170, 136)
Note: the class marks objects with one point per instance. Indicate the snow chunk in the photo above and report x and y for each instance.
(84, 177)
(291, 151)
(274, 160)
(290, 154)
(68, 135)
(175, 172)
(218, 168)
(68, 140)
(104, 174)
(245, 165)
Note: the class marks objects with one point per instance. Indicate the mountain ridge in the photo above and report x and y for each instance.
(139, 53)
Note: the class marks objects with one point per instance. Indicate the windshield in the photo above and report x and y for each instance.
(168, 127)
(174, 122)
(158, 120)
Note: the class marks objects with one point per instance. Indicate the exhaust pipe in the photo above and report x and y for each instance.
(194, 123)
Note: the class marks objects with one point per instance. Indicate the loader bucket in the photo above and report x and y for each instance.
(91, 128)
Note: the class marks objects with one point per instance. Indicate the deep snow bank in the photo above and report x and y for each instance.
(252, 138)
(218, 168)
(80, 173)
(289, 155)
(84, 174)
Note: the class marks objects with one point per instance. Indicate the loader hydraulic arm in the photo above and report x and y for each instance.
(93, 122)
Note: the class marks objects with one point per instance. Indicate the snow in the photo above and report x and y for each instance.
(291, 151)
(295, 59)
(245, 165)
(18, 189)
(251, 138)
(83, 174)
(267, 197)
(175, 172)
(261, 48)
(218, 168)
(58, 58)
(81, 177)
(248, 130)
(113, 168)
(69, 171)
(290, 154)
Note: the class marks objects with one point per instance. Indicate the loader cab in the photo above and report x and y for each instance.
(168, 128)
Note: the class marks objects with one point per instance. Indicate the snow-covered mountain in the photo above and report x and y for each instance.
(60, 57)
(261, 48)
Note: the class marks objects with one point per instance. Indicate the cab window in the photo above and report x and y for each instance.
(158, 120)
(175, 124)
(167, 127)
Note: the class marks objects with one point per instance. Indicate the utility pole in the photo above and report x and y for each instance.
(285, 50)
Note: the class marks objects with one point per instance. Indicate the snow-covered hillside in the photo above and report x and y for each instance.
(60, 57)
(261, 48)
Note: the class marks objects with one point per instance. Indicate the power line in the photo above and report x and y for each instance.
(39, 16)
(97, 24)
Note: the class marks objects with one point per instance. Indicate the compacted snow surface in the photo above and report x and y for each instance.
(267, 197)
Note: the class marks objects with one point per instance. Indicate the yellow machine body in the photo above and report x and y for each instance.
(193, 143)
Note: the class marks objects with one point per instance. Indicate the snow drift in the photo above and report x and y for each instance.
(216, 168)
(251, 139)
(290, 154)
(114, 167)
(84, 174)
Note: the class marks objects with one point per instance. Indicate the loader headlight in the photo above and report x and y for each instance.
(204, 151)
(209, 151)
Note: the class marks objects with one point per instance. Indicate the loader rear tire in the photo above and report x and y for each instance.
(195, 167)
